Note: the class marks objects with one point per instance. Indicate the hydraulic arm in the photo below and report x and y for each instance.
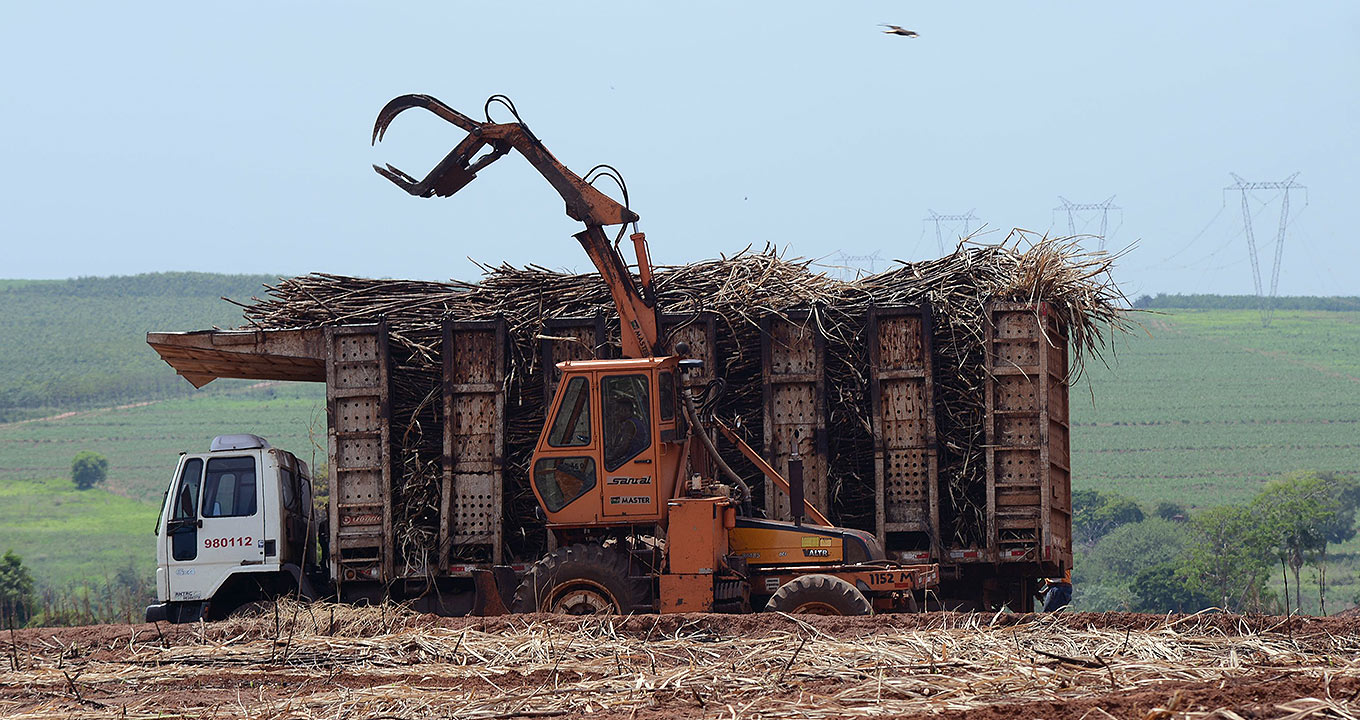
(486, 143)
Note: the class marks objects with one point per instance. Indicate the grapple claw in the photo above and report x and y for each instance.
(452, 173)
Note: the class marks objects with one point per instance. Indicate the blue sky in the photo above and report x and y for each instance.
(235, 137)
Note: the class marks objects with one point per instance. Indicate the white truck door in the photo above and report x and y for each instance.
(181, 532)
(229, 527)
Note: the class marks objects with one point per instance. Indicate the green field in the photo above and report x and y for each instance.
(142, 442)
(1207, 406)
(67, 536)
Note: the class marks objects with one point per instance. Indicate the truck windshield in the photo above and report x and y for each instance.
(229, 487)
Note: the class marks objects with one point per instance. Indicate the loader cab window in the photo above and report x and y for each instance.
(229, 487)
(627, 429)
(571, 427)
(665, 392)
(562, 480)
(186, 495)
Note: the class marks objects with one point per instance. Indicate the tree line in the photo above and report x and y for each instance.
(1163, 301)
(1172, 560)
(161, 284)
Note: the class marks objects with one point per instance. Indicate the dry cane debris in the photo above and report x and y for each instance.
(345, 662)
(739, 290)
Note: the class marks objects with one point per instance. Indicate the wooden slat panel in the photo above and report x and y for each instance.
(1028, 451)
(906, 463)
(792, 357)
(700, 333)
(358, 419)
(579, 339)
(474, 441)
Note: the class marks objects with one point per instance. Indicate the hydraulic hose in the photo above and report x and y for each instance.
(698, 427)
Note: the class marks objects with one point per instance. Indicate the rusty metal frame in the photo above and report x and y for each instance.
(816, 482)
(453, 332)
(925, 373)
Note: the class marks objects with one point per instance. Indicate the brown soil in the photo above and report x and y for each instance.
(369, 663)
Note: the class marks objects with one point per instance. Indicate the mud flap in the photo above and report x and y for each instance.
(493, 590)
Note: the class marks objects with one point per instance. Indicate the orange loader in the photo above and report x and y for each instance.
(644, 513)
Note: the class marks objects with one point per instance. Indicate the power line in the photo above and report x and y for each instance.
(950, 221)
(1072, 209)
(1246, 188)
(850, 267)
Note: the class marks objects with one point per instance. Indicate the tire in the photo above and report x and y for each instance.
(581, 579)
(819, 595)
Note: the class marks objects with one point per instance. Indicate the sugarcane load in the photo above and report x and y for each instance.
(730, 435)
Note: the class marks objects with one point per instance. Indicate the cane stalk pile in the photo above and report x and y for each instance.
(739, 290)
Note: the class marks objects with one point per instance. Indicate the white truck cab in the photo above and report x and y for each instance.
(237, 525)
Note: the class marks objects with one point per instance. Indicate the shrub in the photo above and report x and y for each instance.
(89, 469)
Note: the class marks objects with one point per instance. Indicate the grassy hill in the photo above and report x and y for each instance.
(80, 343)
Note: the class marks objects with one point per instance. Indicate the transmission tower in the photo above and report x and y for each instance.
(940, 221)
(1246, 188)
(1072, 209)
(851, 267)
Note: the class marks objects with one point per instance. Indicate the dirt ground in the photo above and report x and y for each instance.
(342, 662)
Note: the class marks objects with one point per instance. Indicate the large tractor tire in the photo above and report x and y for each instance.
(819, 595)
(581, 580)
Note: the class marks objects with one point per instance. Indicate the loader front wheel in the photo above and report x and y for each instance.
(819, 595)
(581, 579)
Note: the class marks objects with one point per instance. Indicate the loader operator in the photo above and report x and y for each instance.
(628, 434)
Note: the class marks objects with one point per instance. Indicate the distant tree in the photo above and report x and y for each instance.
(1095, 514)
(16, 590)
(89, 469)
(1171, 511)
(1227, 556)
(1163, 588)
(1132, 548)
(1303, 512)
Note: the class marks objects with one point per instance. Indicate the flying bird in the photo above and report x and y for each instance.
(897, 30)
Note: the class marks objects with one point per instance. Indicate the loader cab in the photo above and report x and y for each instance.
(237, 521)
(612, 445)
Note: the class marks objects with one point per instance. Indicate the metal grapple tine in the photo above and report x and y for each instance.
(401, 179)
(401, 103)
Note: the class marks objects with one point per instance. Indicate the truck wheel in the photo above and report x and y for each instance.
(819, 595)
(580, 580)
